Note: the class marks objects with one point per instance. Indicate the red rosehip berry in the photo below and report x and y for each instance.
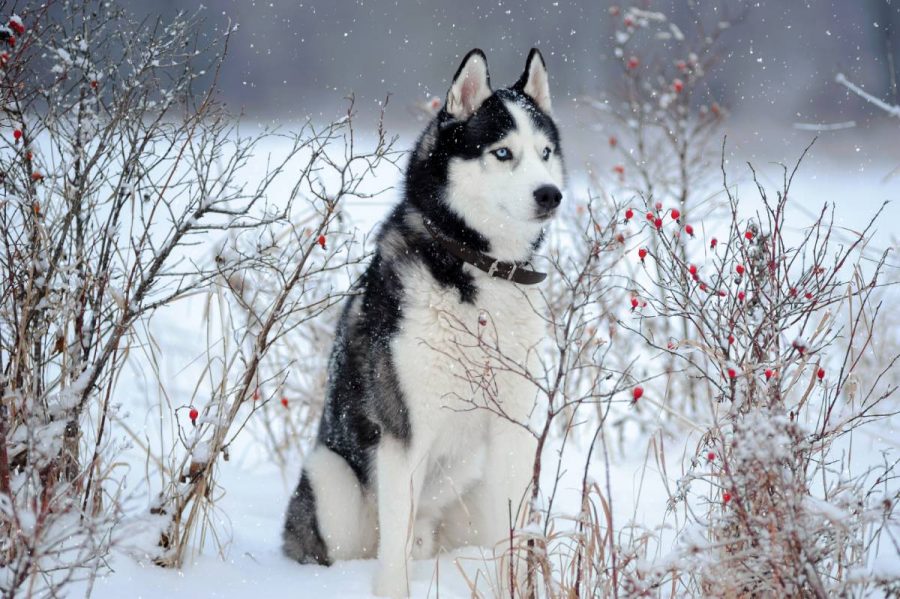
(619, 170)
(613, 142)
(677, 86)
(657, 223)
(769, 372)
(711, 456)
(732, 372)
(739, 269)
(689, 230)
(634, 303)
(94, 84)
(692, 269)
(17, 134)
(713, 243)
(726, 497)
(741, 295)
(748, 234)
(642, 253)
(633, 63)
(820, 373)
(658, 206)
(637, 393)
(793, 292)
(702, 286)
(808, 295)
(193, 414)
(16, 24)
(650, 216)
(730, 339)
(284, 401)
(321, 241)
(675, 214)
(629, 214)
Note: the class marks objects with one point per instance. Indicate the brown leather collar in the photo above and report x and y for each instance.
(511, 271)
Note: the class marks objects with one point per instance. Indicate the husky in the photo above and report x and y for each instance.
(412, 455)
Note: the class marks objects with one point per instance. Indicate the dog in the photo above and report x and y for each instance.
(405, 463)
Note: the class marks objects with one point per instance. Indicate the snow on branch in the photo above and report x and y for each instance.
(892, 110)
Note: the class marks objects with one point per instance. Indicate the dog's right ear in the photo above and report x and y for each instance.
(471, 86)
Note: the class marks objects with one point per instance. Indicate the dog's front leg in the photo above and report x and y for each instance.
(509, 468)
(400, 473)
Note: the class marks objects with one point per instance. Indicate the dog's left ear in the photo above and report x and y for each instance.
(534, 81)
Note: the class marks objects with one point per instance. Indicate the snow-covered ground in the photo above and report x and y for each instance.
(256, 490)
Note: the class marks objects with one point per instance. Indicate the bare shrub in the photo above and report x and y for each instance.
(281, 281)
(768, 502)
(781, 325)
(126, 190)
(753, 340)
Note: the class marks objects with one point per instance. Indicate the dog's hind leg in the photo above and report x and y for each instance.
(330, 516)
(401, 473)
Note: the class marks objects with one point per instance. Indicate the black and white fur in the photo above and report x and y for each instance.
(403, 466)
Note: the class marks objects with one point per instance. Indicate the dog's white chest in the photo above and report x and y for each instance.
(457, 362)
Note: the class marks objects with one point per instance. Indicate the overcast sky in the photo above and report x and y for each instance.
(293, 58)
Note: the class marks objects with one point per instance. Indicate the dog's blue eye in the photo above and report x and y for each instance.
(547, 152)
(502, 154)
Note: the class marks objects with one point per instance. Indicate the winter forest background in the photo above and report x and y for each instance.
(188, 192)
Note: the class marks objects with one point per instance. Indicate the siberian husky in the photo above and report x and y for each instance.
(406, 464)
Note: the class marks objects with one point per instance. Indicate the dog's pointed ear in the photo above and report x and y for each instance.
(471, 86)
(534, 81)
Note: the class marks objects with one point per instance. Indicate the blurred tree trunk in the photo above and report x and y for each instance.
(887, 15)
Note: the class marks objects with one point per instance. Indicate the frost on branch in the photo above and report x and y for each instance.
(126, 190)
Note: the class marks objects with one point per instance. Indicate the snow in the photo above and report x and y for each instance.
(253, 510)
(249, 514)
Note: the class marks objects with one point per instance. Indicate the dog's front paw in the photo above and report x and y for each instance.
(390, 583)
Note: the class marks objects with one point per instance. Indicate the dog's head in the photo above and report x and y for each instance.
(494, 156)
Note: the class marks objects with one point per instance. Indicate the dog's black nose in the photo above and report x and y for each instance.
(547, 197)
